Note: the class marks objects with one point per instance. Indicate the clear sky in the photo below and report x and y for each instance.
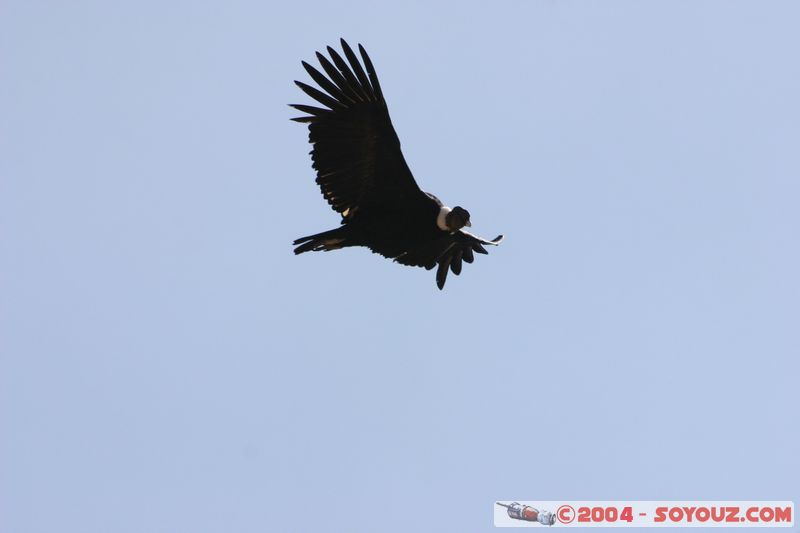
(167, 364)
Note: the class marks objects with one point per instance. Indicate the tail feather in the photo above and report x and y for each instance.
(325, 241)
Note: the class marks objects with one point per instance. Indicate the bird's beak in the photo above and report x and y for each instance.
(469, 224)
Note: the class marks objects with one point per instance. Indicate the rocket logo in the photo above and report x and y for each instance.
(527, 513)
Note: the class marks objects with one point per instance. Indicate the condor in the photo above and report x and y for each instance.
(364, 177)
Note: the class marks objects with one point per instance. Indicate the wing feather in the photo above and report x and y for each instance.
(320, 96)
(358, 69)
(325, 83)
(338, 78)
(373, 78)
(353, 83)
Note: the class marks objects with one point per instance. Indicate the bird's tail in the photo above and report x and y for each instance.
(325, 241)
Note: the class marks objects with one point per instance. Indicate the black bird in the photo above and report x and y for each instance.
(364, 177)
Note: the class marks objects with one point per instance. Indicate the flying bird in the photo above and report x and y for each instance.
(364, 177)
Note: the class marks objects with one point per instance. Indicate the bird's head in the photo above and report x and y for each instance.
(457, 218)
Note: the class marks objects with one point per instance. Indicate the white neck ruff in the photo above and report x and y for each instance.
(441, 218)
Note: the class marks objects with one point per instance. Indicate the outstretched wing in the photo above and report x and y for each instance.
(356, 150)
(448, 252)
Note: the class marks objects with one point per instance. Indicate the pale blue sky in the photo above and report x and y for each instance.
(167, 364)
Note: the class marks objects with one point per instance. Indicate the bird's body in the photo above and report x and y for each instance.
(363, 176)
